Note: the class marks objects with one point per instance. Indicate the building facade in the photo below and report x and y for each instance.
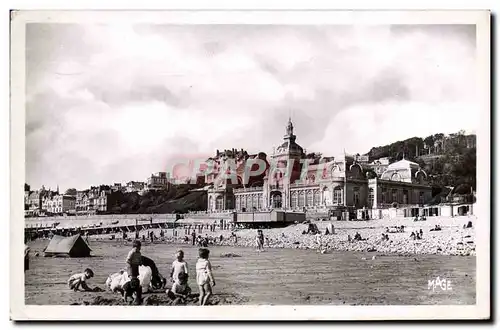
(134, 186)
(158, 181)
(294, 181)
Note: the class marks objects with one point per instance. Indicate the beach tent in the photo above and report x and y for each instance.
(73, 246)
(26, 258)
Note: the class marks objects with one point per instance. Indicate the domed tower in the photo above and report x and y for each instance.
(285, 168)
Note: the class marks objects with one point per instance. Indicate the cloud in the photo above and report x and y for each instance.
(116, 103)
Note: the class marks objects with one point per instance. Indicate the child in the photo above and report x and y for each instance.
(204, 276)
(79, 280)
(178, 266)
(134, 260)
(180, 289)
(129, 288)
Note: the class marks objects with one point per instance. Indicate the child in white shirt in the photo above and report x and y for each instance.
(178, 266)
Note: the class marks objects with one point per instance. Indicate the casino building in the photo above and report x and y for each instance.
(293, 180)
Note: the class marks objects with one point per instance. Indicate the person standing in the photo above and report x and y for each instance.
(204, 277)
(193, 237)
(134, 260)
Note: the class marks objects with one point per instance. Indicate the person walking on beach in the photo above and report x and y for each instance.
(134, 260)
(204, 276)
(193, 237)
(260, 240)
(319, 241)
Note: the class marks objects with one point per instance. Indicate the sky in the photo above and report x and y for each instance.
(115, 103)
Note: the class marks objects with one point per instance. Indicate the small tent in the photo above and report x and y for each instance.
(26, 258)
(73, 246)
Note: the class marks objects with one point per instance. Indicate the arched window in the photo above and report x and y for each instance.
(301, 200)
(317, 198)
(277, 201)
(405, 196)
(293, 201)
(356, 196)
(219, 203)
(243, 202)
(371, 197)
(421, 197)
(309, 198)
(395, 177)
(338, 196)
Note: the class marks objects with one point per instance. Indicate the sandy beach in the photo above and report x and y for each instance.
(453, 239)
(392, 272)
(275, 276)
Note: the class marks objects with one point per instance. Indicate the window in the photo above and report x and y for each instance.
(356, 196)
(309, 198)
(219, 203)
(261, 201)
(277, 201)
(301, 200)
(371, 197)
(316, 198)
(293, 200)
(405, 196)
(394, 195)
(421, 197)
(337, 196)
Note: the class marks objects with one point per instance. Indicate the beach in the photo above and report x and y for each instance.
(285, 276)
(452, 239)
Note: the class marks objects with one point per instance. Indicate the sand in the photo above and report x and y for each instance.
(275, 276)
(453, 239)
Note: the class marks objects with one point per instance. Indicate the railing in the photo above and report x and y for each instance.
(249, 189)
(303, 184)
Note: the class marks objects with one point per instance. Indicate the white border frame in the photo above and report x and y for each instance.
(20, 311)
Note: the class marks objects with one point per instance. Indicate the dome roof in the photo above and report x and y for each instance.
(402, 164)
(290, 146)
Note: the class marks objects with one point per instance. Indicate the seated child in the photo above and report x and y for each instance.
(129, 288)
(180, 289)
(79, 280)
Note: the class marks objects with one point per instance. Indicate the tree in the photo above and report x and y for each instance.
(71, 192)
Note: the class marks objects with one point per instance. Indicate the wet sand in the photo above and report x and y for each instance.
(275, 276)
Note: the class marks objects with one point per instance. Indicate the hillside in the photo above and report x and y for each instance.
(179, 199)
(448, 160)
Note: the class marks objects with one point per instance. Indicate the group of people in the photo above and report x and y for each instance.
(417, 234)
(179, 290)
(419, 218)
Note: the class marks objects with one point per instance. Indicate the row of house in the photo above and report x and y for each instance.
(45, 201)
(90, 201)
